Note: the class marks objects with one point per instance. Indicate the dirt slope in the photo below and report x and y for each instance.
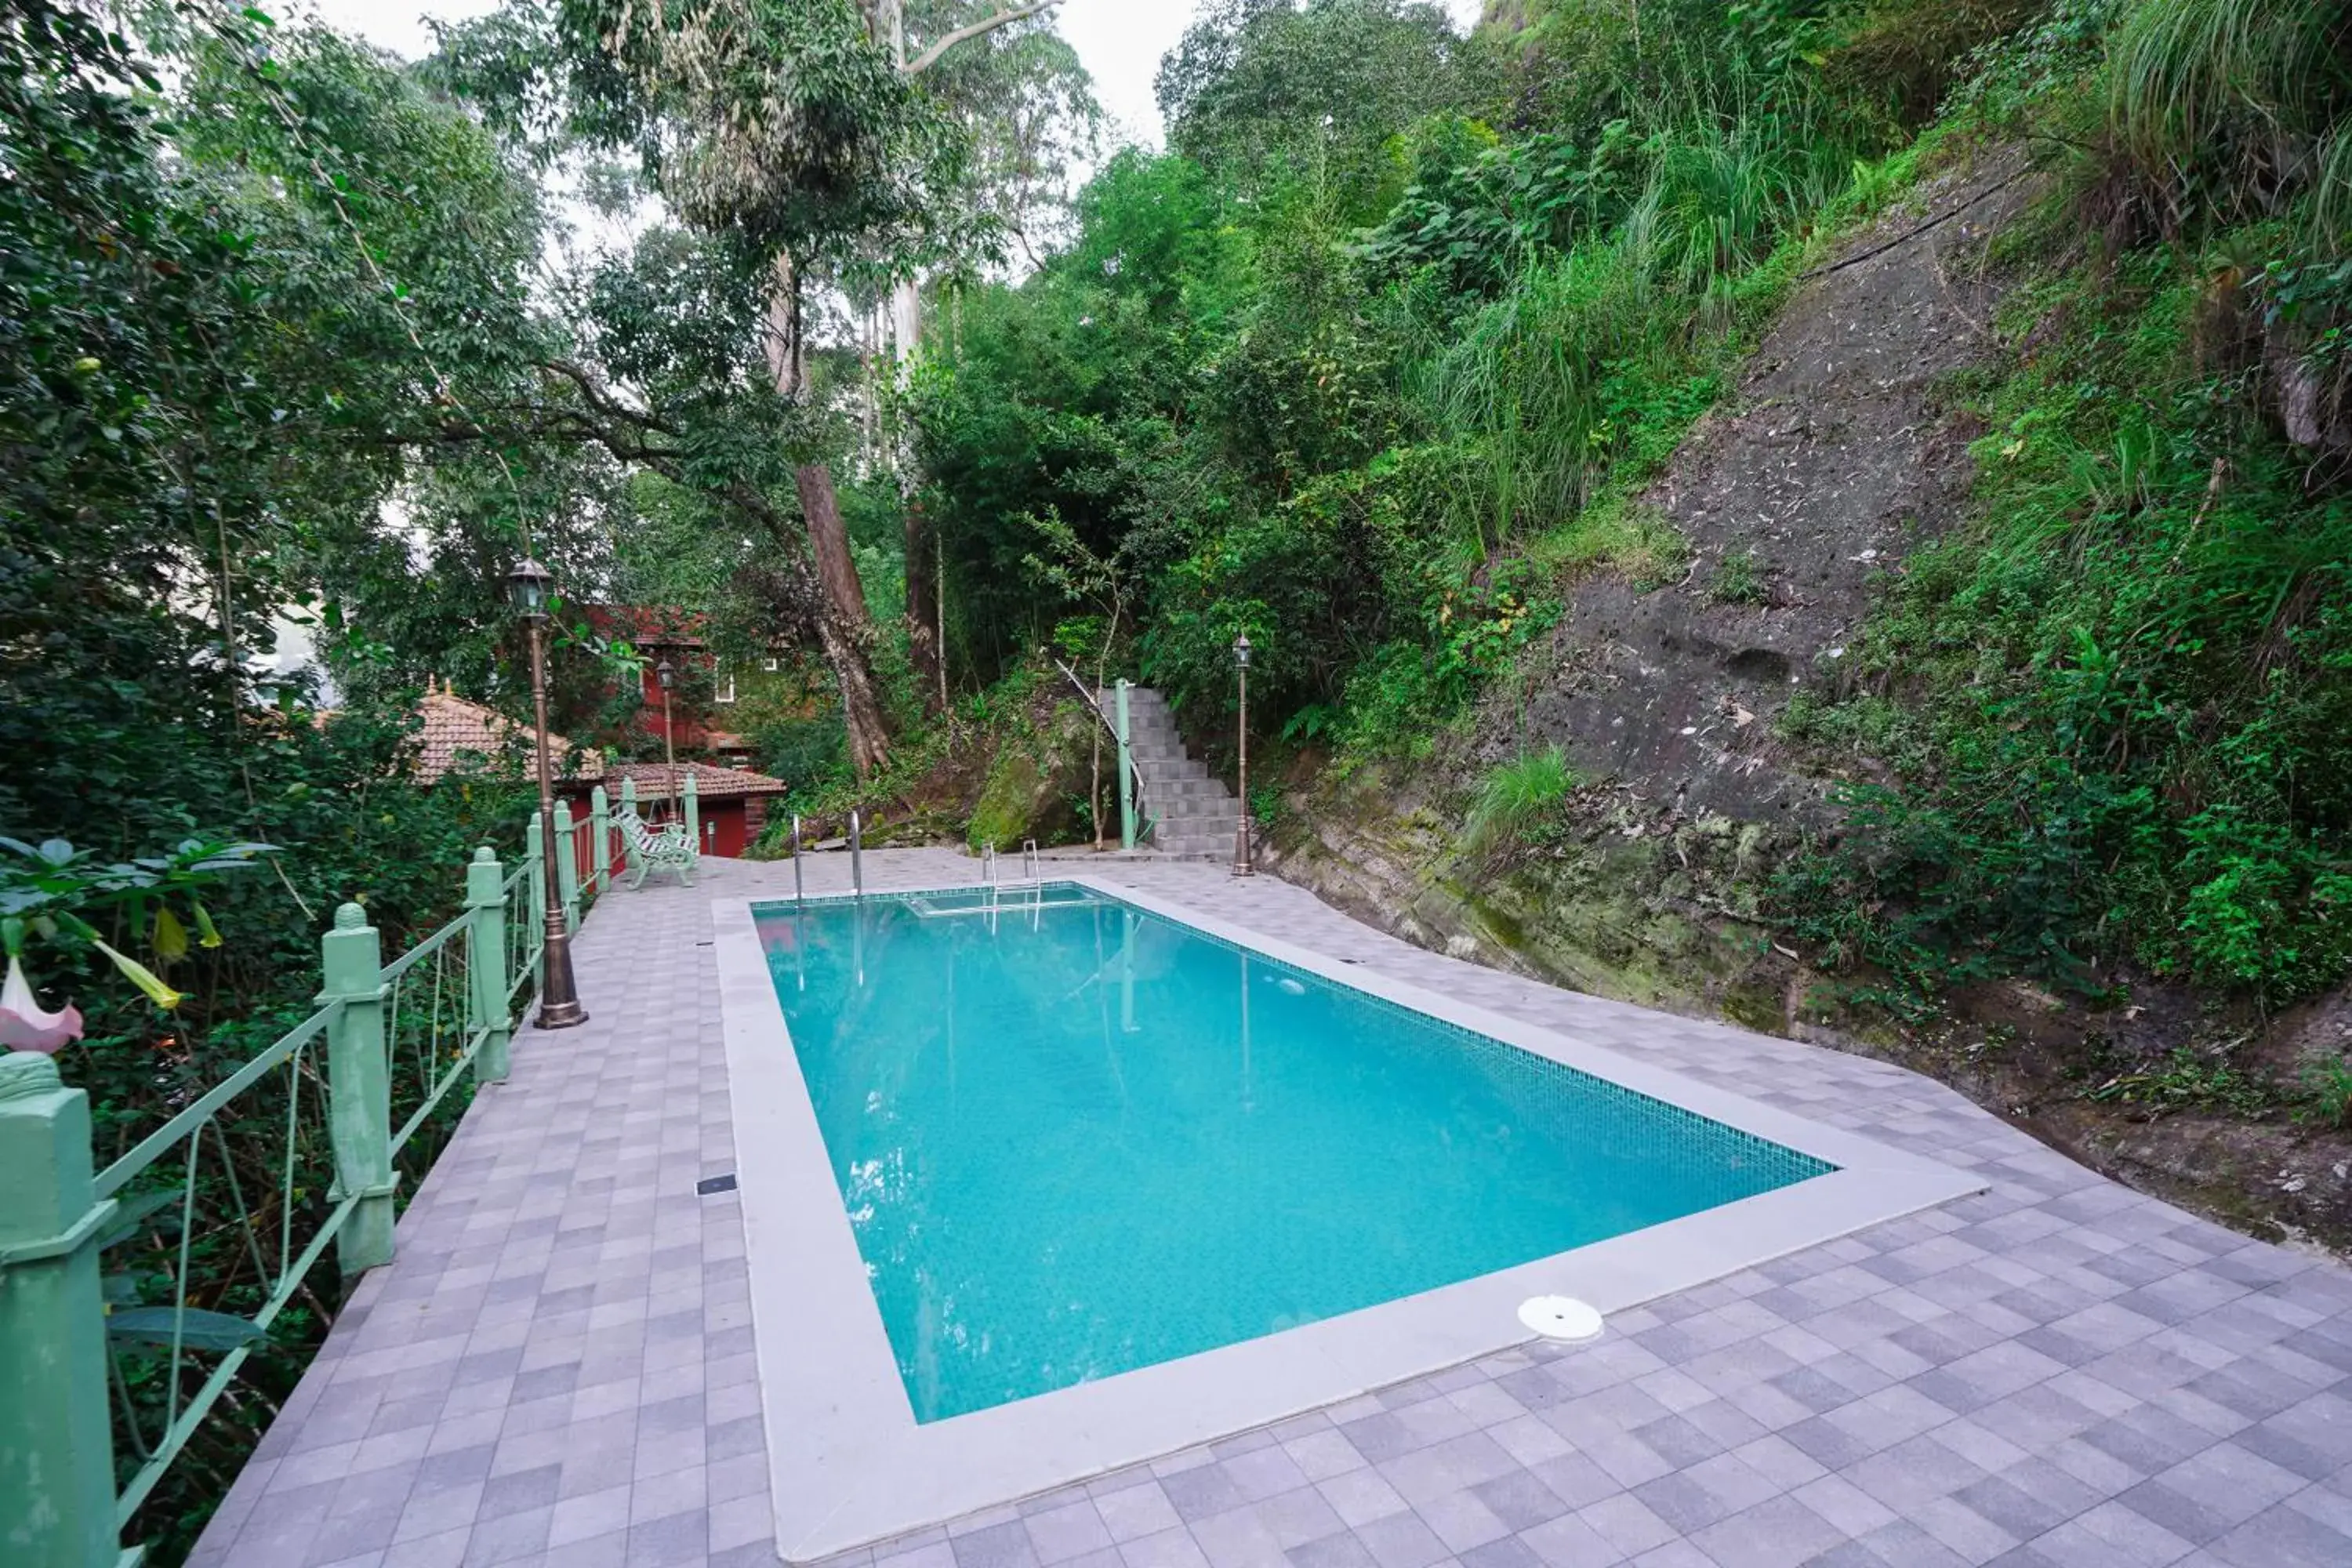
(1823, 469)
(1828, 463)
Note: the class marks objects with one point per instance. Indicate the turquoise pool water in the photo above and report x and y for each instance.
(1078, 1138)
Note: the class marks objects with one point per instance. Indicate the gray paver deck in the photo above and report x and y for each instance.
(557, 1369)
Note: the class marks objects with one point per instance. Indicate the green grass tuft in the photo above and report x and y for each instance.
(1515, 796)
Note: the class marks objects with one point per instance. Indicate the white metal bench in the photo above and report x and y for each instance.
(666, 848)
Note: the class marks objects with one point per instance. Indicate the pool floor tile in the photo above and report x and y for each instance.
(558, 1366)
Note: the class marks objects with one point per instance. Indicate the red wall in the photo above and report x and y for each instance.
(723, 828)
(692, 733)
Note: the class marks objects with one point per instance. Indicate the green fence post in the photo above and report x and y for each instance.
(1126, 772)
(600, 824)
(56, 1442)
(359, 1087)
(486, 962)
(567, 863)
(534, 850)
(693, 811)
(629, 805)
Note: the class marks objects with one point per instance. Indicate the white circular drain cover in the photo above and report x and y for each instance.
(1561, 1318)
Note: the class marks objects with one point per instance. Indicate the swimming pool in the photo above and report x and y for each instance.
(1077, 1215)
(1075, 1137)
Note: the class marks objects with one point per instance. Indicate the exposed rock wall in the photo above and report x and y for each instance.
(1829, 462)
(1825, 465)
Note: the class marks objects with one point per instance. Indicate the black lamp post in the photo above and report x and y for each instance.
(1243, 866)
(666, 673)
(529, 587)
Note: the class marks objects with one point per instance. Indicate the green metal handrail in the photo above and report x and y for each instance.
(403, 1033)
(112, 1180)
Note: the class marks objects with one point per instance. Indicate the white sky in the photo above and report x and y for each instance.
(1119, 40)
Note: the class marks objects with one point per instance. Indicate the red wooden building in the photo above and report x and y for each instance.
(459, 736)
(675, 635)
(732, 802)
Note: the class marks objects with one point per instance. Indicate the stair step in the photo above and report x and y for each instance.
(1169, 792)
(1194, 813)
(1200, 822)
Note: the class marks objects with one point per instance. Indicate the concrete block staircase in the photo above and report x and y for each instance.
(1196, 814)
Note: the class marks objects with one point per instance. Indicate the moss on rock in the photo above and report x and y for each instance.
(1036, 784)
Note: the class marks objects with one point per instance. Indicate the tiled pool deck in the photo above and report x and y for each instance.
(558, 1369)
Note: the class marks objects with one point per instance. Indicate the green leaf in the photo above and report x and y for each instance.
(130, 1213)
(197, 1330)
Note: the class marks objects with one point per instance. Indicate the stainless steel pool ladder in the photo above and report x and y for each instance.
(799, 895)
(856, 858)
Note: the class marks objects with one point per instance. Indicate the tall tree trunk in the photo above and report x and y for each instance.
(907, 324)
(780, 335)
(842, 628)
(844, 632)
(923, 651)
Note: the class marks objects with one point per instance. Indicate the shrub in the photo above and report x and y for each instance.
(2329, 1085)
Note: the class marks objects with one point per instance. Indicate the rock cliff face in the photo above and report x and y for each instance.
(1829, 462)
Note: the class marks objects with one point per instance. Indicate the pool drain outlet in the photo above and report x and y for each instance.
(1561, 1318)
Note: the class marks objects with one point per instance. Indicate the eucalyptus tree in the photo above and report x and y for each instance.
(1025, 101)
(791, 141)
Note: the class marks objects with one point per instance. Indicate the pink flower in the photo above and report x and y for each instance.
(23, 1026)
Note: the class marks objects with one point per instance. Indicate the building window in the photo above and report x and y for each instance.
(726, 689)
(770, 665)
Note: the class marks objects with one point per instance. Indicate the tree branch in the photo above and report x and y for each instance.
(930, 56)
(601, 400)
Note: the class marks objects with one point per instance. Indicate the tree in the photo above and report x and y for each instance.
(1084, 577)
(1028, 105)
(248, 298)
(791, 138)
(1264, 91)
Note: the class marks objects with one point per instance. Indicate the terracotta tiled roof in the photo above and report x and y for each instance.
(459, 732)
(709, 782)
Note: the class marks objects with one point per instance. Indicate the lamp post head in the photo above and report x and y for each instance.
(529, 588)
(1242, 650)
(666, 673)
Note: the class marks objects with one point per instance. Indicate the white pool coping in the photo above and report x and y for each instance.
(850, 1463)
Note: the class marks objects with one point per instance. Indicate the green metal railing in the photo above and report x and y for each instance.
(109, 1370)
